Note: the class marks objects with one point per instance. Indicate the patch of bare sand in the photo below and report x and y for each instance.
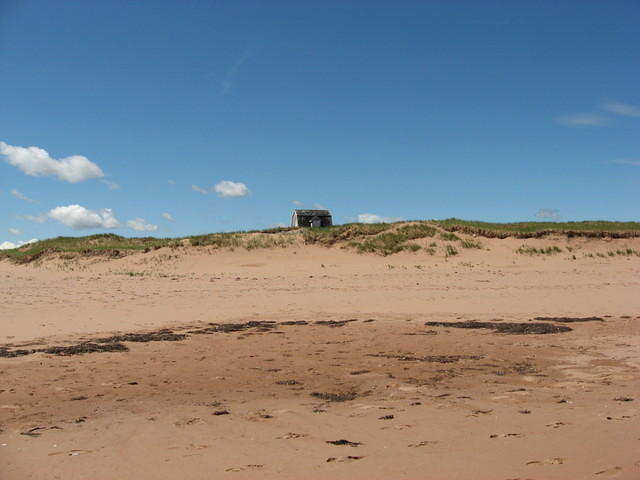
(411, 400)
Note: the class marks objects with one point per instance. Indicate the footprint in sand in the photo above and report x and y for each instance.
(291, 435)
(425, 443)
(506, 435)
(348, 458)
(71, 453)
(557, 424)
(243, 467)
(186, 421)
(610, 472)
(547, 461)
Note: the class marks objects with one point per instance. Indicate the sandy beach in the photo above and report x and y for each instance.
(314, 362)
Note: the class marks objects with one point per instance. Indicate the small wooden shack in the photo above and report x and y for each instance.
(311, 218)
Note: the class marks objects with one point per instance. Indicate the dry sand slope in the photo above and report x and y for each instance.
(311, 362)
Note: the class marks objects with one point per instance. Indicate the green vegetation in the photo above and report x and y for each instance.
(470, 244)
(524, 250)
(627, 252)
(449, 237)
(388, 243)
(240, 240)
(339, 233)
(380, 238)
(103, 244)
(450, 251)
(531, 228)
(217, 240)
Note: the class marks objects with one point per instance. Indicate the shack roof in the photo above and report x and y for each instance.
(317, 213)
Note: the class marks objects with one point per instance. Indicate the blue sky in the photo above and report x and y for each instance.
(172, 118)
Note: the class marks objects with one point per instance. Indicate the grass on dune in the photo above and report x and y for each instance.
(391, 242)
(106, 242)
(339, 233)
(599, 226)
(379, 238)
(524, 250)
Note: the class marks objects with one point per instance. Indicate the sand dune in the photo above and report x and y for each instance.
(351, 367)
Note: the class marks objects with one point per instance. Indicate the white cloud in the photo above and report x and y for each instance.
(168, 216)
(111, 185)
(622, 109)
(373, 218)
(36, 162)
(15, 231)
(21, 196)
(171, 182)
(140, 225)
(198, 189)
(318, 206)
(583, 120)
(297, 203)
(227, 188)
(78, 217)
(32, 218)
(548, 213)
(10, 245)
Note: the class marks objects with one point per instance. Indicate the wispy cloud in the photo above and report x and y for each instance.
(373, 218)
(297, 203)
(168, 216)
(78, 217)
(227, 188)
(548, 213)
(37, 162)
(171, 182)
(198, 189)
(622, 109)
(111, 185)
(21, 196)
(229, 77)
(140, 225)
(586, 119)
(627, 162)
(15, 231)
(33, 218)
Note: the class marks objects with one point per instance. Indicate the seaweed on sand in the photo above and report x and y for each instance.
(506, 327)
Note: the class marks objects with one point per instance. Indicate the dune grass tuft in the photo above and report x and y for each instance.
(524, 250)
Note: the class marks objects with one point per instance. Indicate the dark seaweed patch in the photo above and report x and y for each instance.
(6, 353)
(507, 328)
(570, 319)
(343, 442)
(335, 323)
(79, 349)
(428, 358)
(85, 347)
(288, 382)
(260, 326)
(159, 336)
(335, 397)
